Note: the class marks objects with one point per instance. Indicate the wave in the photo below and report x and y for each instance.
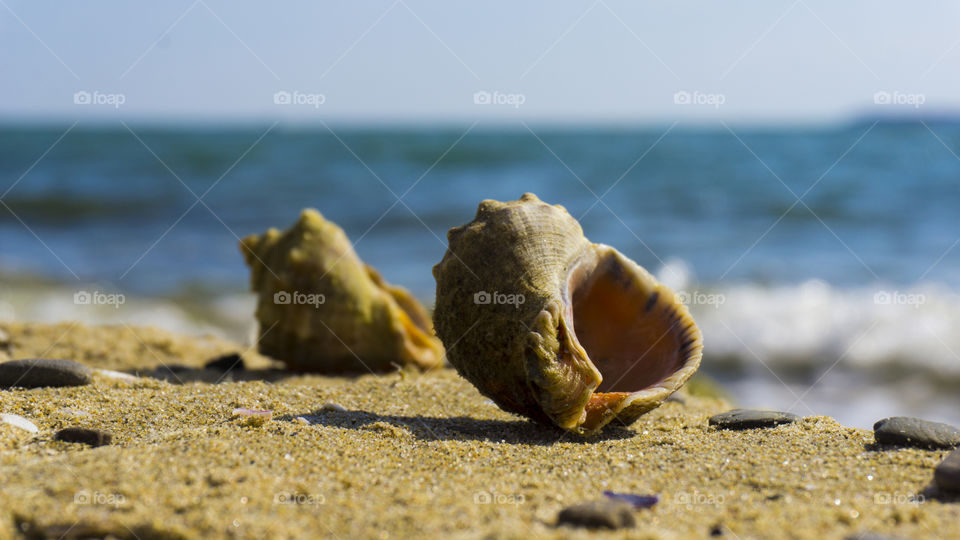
(229, 316)
(797, 329)
(815, 326)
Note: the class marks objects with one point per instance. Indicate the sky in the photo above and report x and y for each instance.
(410, 61)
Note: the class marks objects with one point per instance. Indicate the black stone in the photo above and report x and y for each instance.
(608, 514)
(947, 473)
(42, 372)
(904, 431)
(92, 437)
(749, 419)
(226, 363)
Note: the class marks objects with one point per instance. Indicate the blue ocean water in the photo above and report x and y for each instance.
(804, 252)
(882, 201)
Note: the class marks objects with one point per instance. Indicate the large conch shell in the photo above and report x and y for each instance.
(320, 308)
(555, 328)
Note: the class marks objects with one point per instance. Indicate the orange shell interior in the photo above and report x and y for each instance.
(634, 339)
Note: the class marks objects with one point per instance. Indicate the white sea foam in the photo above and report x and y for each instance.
(229, 316)
(810, 324)
(818, 325)
(836, 334)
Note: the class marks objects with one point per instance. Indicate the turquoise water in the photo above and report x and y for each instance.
(711, 211)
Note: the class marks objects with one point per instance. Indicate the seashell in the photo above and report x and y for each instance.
(18, 421)
(320, 308)
(555, 328)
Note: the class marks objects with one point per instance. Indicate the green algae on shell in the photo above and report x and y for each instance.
(321, 309)
(555, 328)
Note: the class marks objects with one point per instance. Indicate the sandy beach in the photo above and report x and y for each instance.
(410, 456)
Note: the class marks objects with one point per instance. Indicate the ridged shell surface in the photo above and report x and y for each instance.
(321, 309)
(554, 327)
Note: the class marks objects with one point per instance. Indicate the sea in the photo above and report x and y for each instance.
(822, 263)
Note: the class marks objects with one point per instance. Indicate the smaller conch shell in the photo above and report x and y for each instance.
(553, 327)
(320, 308)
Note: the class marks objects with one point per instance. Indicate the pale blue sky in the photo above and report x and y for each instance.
(415, 61)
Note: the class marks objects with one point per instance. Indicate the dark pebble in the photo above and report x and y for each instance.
(904, 431)
(947, 473)
(608, 514)
(872, 536)
(226, 363)
(749, 419)
(92, 437)
(41, 372)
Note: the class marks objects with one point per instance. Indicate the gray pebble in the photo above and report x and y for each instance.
(904, 431)
(749, 419)
(608, 514)
(92, 437)
(41, 372)
(947, 473)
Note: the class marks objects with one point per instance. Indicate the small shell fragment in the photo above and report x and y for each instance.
(19, 421)
(118, 375)
(330, 406)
